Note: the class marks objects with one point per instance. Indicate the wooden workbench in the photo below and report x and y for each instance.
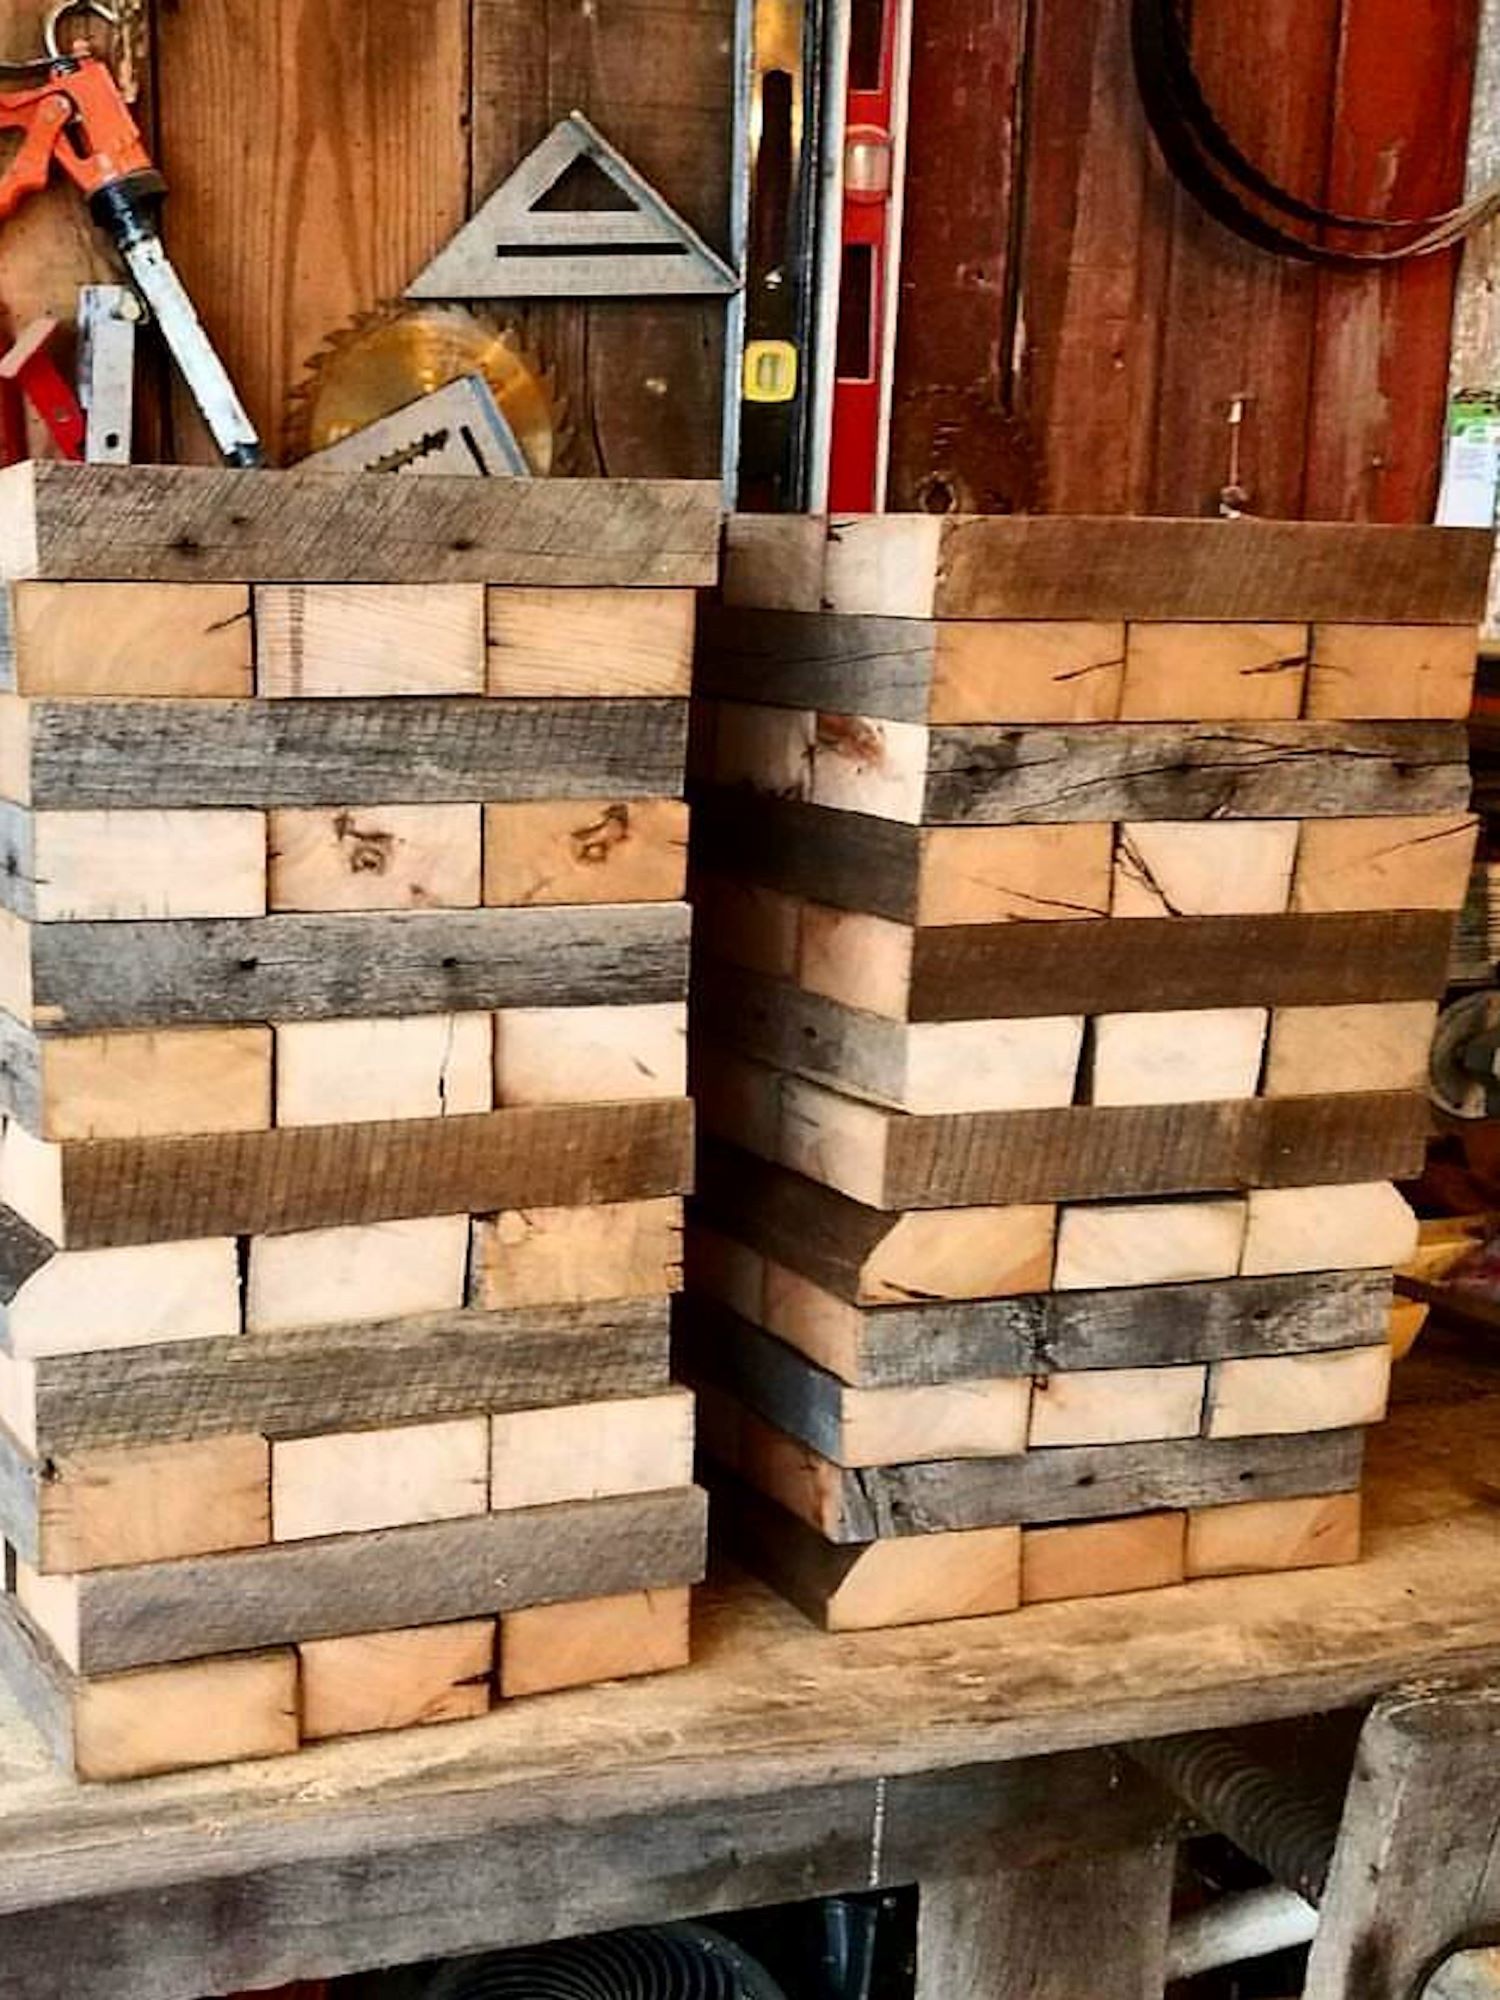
(783, 1764)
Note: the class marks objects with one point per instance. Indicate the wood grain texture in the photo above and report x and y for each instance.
(1103, 1558)
(136, 1086)
(596, 1639)
(609, 1250)
(585, 851)
(171, 524)
(126, 1297)
(379, 858)
(1273, 1535)
(338, 967)
(355, 1072)
(369, 639)
(115, 640)
(356, 1482)
(348, 1377)
(590, 1055)
(1385, 670)
(1208, 1054)
(364, 751)
(1203, 672)
(544, 1458)
(1197, 869)
(1280, 1394)
(1116, 1406)
(423, 1575)
(1419, 863)
(1291, 1229)
(590, 642)
(1349, 1048)
(303, 1177)
(151, 1503)
(173, 1718)
(396, 1680)
(321, 1277)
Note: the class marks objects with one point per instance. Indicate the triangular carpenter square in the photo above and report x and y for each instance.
(517, 248)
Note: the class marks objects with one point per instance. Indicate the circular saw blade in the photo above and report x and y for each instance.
(387, 358)
(1463, 1076)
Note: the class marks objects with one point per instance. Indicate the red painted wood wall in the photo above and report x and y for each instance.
(1074, 329)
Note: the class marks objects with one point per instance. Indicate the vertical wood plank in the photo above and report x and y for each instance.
(317, 193)
(1237, 321)
(1095, 1927)
(956, 262)
(1380, 369)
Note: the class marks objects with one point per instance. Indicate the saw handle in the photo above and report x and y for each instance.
(79, 120)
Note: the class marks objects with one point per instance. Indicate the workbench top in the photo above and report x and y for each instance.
(771, 1706)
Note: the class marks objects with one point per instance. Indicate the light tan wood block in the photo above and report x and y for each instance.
(762, 749)
(829, 1137)
(353, 1482)
(374, 857)
(140, 865)
(962, 1253)
(368, 1271)
(867, 764)
(1273, 1534)
(1204, 1056)
(1315, 1050)
(175, 1718)
(590, 642)
(15, 966)
(1327, 1229)
(861, 960)
(1058, 670)
(135, 640)
(1214, 673)
(747, 925)
(992, 1065)
(350, 1072)
(15, 748)
(89, 1299)
(139, 1086)
(31, 1179)
(1148, 1243)
(396, 1680)
(585, 851)
(917, 1579)
(550, 1646)
(1384, 864)
(1278, 1394)
(369, 638)
(828, 1330)
(51, 1603)
(936, 1421)
(590, 1055)
(544, 1256)
(996, 874)
(882, 565)
(1116, 1406)
(1103, 1558)
(154, 1502)
(1391, 671)
(585, 1451)
(1213, 868)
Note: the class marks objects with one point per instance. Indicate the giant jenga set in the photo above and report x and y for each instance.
(343, 964)
(1074, 897)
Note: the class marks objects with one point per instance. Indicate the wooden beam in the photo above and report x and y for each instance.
(577, 643)
(356, 1482)
(610, 1250)
(396, 1680)
(586, 851)
(542, 1458)
(374, 858)
(369, 639)
(137, 1086)
(86, 1299)
(353, 1072)
(1274, 1535)
(1208, 672)
(1389, 670)
(112, 641)
(596, 1639)
(322, 1277)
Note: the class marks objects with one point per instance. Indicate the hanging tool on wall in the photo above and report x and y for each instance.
(76, 121)
(29, 375)
(108, 316)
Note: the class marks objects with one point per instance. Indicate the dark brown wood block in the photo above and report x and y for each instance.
(171, 523)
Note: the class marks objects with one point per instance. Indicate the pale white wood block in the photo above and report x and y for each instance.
(127, 1297)
(353, 1072)
(903, 1426)
(1209, 868)
(590, 1055)
(367, 1271)
(1208, 1055)
(586, 1451)
(993, 1065)
(353, 1482)
(1362, 1227)
(1148, 1243)
(866, 764)
(1117, 1406)
(1282, 1394)
(149, 864)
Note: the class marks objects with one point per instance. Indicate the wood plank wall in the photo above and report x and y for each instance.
(1073, 328)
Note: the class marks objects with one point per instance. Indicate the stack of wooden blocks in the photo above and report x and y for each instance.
(343, 962)
(1074, 898)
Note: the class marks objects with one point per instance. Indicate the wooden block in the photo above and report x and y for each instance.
(179, 1717)
(1284, 1393)
(112, 640)
(110, 1192)
(762, 749)
(590, 642)
(15, 966)
(349, 1072)
(774, 561)
(1030, 873)
(87, 1299)
(1314, 1049)
(15, 743)
(369, 639)
(1212, 869)
(1050, 671)
(374, 858)
(354, 1482)
(137, 1086)
(585, 851)
(611, 1250)
(1101, 1558)
(591, 1451)
(1118, 1405)
(1384, 864)
(154, 1502)
(747, 925)
(1390, 670)
(434, 1573)
(1273, 1534)
(396, 1680)
(1207, 672)
(368, 1376)
(329, 1277)
(1327, 1228)
(587, 1055)
(1203, 1056)
(1148, 1243)
(883, 566)
(596, 1639)
(301, 968)
(861, 961)
(861, 763)
(193, 523)
(134, 865)
(987, 775)
(51, 1603)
